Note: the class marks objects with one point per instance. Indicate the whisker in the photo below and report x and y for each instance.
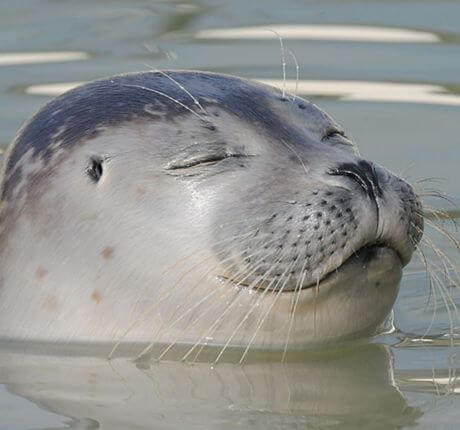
(216, 323)
(314, 304)
(251, 287)
(160, 93)
(189, 292)
(439, 284)
(251, 309)
(428, 269)
(195, 100)
(430, 179)
(437, 194)
(168, 294)
(432, 292)
(264, 316)
(192, 324)
(449, 278)
(283, 61)
(445, 233)
(228, 282)
(296, 154)
(439, 215)
(297, 69)
(441, 255)
(297, 291)
(213, 244)
(211, 332)
(443, 259)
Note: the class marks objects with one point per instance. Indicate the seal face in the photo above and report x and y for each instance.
(196, 207)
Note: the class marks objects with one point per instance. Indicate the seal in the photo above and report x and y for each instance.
(199, 208)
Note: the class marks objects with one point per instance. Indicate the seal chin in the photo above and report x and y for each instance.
(352, 301)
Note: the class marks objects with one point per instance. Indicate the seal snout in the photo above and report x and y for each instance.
(401, 218)
(365, 210)
(398, 226)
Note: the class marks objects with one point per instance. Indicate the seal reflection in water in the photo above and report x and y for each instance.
(196, 208)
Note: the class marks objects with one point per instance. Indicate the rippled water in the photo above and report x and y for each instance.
(389, 72)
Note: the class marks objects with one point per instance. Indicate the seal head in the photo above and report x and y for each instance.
(196, 207)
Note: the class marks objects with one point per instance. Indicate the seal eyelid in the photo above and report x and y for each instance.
(335, 136)
(332, 132)
(204, 159)
(95, 169)
(203, 154)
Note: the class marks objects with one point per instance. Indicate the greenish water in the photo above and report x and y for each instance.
(393, 84)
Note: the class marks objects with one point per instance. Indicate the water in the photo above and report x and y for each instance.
(397, 92)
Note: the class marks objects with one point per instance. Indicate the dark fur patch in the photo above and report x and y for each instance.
(78, 114)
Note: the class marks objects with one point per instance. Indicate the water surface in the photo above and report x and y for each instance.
(388, 71)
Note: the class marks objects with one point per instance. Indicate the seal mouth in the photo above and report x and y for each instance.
(360, 259)
(363, 256)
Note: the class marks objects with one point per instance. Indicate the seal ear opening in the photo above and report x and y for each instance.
(95, 169)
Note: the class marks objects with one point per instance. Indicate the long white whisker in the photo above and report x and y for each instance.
(297, 71)
(228, 282)
(297, 292)
(160, 93)
(296, 154)
(444, 232)
(167, 295)
(248, 313)
(219, 319)
(283, 61)
(264, 316)
(432, 291)
(189, 291)
(195, 100)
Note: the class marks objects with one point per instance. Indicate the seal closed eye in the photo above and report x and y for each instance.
(199, 153)
(225, 216)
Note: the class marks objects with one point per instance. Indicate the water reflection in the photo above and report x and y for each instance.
(343, 90)
(14, 58)
(51, 89)
(314, 391)
(353, 33)
(434, 384)
(370, 91)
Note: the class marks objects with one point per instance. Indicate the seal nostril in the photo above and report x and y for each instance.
(363, 173)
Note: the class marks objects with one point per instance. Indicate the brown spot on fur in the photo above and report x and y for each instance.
(107, 252)
(50, 304)
(96, 297)
(41, 272)
(140, 191)
(93, 378)
(92, 217)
